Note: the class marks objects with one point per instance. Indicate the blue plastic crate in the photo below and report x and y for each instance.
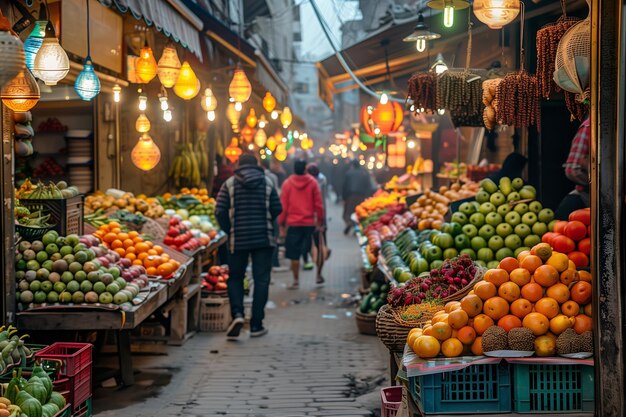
(475, 389)
(553, 388)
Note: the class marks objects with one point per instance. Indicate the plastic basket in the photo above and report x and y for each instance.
(74, 356)
(66, 214)
(76, 389)
(553, 388)
(65, 412)
(214, 314)
(476, 389)
(390, 401)
(84, 410)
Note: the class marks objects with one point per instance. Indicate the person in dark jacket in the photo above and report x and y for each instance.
(357, 186)
(224, 172)
(247, 205)
(512, 167)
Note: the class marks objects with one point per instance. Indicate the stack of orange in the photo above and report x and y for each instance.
(132, 246)
(540, 290)
(201, 194)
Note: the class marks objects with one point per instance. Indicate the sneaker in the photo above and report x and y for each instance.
(233, 331)
(280, 269)
(308, 266)
(258, 331)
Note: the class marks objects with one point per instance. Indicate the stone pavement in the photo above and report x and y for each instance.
(313, 362)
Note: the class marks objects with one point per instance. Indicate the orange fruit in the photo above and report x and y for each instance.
(128, 243)
(117, 244)
(537, 323)
(427, 347)
(109, 237)
(116, 230)
(560, 323)
(133, 234)
(457, 319)
(485, 290)
(509, 322)
(496, 308)
(451, 306)
(138, 262)
(158, 249)
(131, 249)
(522, 255)
(482, 322)
(560, 292)
(138, 239)
(142, 255)
(542, 250)
(472, 305)
(585, 276)
(452, 348)
(581, 292)
(442, 331)
(532, 292)
(547, 306)
(521, 307)
(496, 276)
(151, 270)
(568, 276)
(583, 323)
(120, 251)
(559, 261)
(428, 331)
(440, 318)
(570, 308)
(152, 252)
(571, 265)
(130, 256)
(546, 275)
(520, 276)
(545, 346)
(466, 335)
(141, 247)
(531, 263)
(508, 264)
(510, 291)
(477, 346)
(113, 225)
(122, 236)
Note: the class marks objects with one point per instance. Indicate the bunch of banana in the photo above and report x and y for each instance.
(13, 351)
(203, 156)
(186, 166)
(97, 218)
(44, 192)
(35, 219)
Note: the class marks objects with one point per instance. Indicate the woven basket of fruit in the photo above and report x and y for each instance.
(393, 324)
(366, 323)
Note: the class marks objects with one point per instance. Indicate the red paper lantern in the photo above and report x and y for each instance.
(233, 151)
(247, 134)
(382, 119)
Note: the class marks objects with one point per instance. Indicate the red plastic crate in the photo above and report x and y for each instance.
(391, 400)
(75, 357)
(76, 389)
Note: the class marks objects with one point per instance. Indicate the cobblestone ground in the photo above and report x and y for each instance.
(313, 362)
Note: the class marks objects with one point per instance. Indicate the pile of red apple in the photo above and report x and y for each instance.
(180, 237)
(215, 279)
(572, 237)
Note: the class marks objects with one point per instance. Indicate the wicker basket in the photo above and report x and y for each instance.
(214, 314)
(480, 273)
(392, 330)
(31, 233)
(366, 323)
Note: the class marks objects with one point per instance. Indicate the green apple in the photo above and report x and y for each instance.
(493, 264)
(489, 186)
(469, 252)
(522, 230)
(497, 199)
(540, 228)
(520, 250)
(482, 196)
(495, 243)
(505, 186)
(478, 243)
(504, 229)
(521, 208)
(517, 183)
(535, 207)
(532, 240)
(493, 219)
(513, 218)
(503, 209)
(444, 241)
(486, 208)
(546, 215)
(528, 192)
(433, 253)
(551, 225)
(486, 232)
(450, 253)
(470, 231)
(480, 263)
(467, 208)
(513, 241)
(459, 217)
(529, 218)
(454, 228)
(504, 253)
(477, 219)
(476, 205)
(485, 254)
(514, 196)
(461, 242)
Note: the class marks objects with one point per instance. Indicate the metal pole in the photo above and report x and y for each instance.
(118, 155)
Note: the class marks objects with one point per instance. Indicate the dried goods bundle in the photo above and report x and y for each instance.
(461, 98)
(518, 100)
(422, 91)
(489, 100)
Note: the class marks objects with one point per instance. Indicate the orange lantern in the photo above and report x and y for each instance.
(396, 154)
(146, 154)
(281, 152)
(233, 151)
(271, 143)
(247, 134)
(187, 85)
(146, 66)
(233, 116)
(142, 124)
(240, 87)
(382, 119)
(269, 102)
(306, 144)
(251, 120)
(260, 138)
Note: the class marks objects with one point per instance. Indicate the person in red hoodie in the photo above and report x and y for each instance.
(303, 212)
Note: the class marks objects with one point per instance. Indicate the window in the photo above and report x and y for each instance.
(301, 88)
(297, 37)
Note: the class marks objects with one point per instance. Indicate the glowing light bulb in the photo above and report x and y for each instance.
(410, 144)
(117, 90)
(379, 165)
(412, 108)
(210, 115)
(448, 16)
(251, 147)
(296, 134)
(284, 140)
(238, 106)
(377, 131)
(262, 122)
(420, 44)
(164, 103)
(143, 102)
(441, 112)
(167, 115)
(274, 115)
(384, 98)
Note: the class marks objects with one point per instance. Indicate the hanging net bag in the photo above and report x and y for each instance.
(422, 92)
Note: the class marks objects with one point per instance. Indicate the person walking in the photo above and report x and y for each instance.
(303, 211)
(320, 252)
(276, 267)
(224, 172)
(247, 205)
(357, 186)
(577, 171)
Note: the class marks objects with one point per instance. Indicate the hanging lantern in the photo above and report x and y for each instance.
(87, 84)
(35, 38)
(421, 34)
(167, 115)
(382, 119)
(286, 117)
(240, 88)
(233, 117)
(117, 93)
(262, 121)
(448, 7)
(269, 102)
(496, 13)
(187, 86)
(164, 103)
(51, 63)
(168, 67)
(247, 134)
(142, 125)
(260, 139)
(233, 151)
(146, 65)
(21, 93)
(306, 144)
(251, 120)
(11, 51)
(271, 143)
(146, 154)
(209, 102)
(281, 152)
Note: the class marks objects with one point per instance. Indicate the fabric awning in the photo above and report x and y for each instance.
(172, 18)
